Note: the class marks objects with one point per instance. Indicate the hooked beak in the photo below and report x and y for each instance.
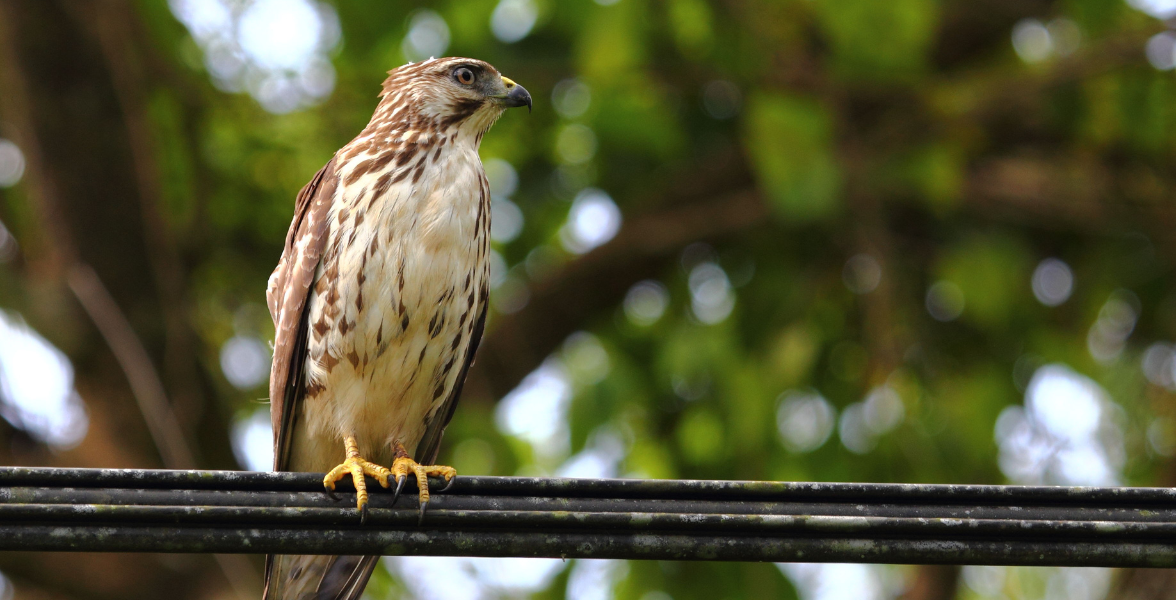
(516, 95)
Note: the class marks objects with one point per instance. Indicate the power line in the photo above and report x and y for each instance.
(244, 512)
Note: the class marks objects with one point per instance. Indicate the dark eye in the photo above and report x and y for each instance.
(463, 75)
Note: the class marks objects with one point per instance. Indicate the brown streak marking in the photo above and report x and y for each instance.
(314, 388)
(462, 109)
(382, 161)
(406, 155)
(382, 186)
(329, 361)
(321, 328)
(332, 277)
(481, 204)
(360, 170)
(331, 311)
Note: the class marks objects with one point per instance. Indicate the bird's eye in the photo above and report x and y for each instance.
(464, 76)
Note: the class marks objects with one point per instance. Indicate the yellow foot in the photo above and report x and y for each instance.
(404, 464)
(357, 466)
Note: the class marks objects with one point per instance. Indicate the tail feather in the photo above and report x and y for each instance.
(315, 577)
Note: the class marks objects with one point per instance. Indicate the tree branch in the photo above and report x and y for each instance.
(146, 386)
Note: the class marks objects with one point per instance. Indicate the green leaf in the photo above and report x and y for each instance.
(610, 46)
(637, 121)
(878, 40)
(936, 174)
(691, 23)
(993, 273)
(700, 436)
(790, 143)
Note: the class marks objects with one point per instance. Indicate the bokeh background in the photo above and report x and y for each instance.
(828, 240)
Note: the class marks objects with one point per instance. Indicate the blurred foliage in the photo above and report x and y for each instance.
(908, 132)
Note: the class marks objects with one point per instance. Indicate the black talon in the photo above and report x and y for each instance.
(363, 514)
(331, 494)
(421, 519)
(448, 484)
(399, 486)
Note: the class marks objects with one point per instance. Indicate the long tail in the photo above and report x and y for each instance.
(313, 577)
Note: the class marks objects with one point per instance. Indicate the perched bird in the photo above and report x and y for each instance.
(379, 299)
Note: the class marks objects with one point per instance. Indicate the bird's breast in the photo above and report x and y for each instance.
(400, 286)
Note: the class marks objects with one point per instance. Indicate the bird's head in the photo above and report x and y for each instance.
(461, 93)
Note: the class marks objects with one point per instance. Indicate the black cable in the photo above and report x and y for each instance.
(242, 512)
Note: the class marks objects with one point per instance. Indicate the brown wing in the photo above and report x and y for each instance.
(430, 444)
(287, 294)
(289, 288)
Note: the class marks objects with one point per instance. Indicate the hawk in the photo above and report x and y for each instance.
(379, 299)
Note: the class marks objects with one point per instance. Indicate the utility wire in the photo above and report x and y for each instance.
(98, 510)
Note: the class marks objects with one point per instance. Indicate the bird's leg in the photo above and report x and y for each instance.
(357, 466)
(404, 464)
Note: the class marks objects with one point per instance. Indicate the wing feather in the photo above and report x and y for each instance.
(430, 444)
(289, 288)
(287, 293)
